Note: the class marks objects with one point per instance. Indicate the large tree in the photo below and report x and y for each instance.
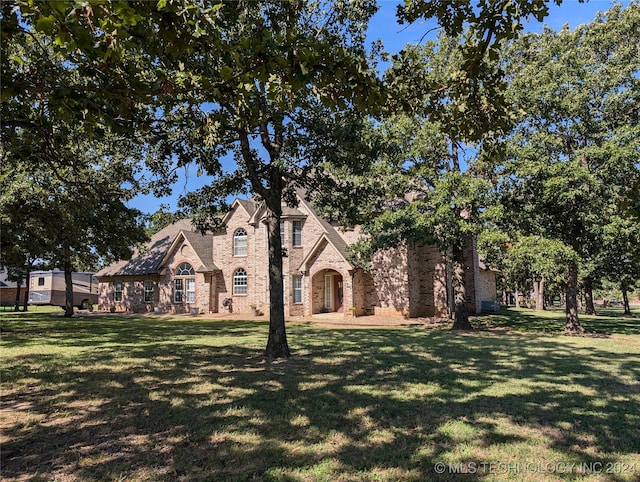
(278, 86)
(64, 182)
(74, 216)
(285, 119)
(426, 156)
(573, 156)
(274, 83)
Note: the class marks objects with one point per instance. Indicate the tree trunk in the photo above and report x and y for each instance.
(589, 307)
(625, 298)
(68, 281)
(461, 317)
(16, 306)
(25, 302)
(517, 298)
(572, 323)
(277, 345)
(540, 303)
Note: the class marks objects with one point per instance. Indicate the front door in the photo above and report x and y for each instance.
(328, 292)
(333, 292)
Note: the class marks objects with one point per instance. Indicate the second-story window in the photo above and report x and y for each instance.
(282, 239)
(297, 233)
(240, 242)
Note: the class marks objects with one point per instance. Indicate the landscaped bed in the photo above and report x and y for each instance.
(157, 398)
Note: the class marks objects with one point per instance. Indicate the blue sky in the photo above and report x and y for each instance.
(394, 37)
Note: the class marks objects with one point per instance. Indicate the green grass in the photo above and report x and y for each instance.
(145, 398)
(610, 320)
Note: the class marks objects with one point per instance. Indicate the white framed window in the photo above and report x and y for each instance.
(297, 233)
(41, 281)
(191, 290)
(178, 290)
(117, 291)
(240, 282)
(240, 242)
(185, 269)
(328, 291)
(148, 290)
(297, 289)
(184, 279)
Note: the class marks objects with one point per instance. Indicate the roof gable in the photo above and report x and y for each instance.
(147, 260)
(323, 241)
(249, 206)
(202, 246)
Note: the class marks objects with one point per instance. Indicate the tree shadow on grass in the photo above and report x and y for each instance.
(351, 405)
(553, 321)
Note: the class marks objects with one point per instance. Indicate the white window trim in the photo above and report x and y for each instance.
(293, 233)
(148, 289)
(297, 278)
(240, 242)
(184, 276)
(190, 290)
(240, 282)
(118, 291)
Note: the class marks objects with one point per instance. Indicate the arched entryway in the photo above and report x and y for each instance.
(327, 287)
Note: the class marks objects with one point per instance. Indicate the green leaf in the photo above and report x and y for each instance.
(45, 24)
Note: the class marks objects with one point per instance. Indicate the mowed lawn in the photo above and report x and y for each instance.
(156, 398)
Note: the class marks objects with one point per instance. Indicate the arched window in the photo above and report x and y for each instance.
(240, 282)
(184, 284)
(185, 269)
(240, 243)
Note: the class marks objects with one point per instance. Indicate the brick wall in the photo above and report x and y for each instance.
(8, 295)
(427, 280)
(255, 263)
(327, 259)
(391, 282)
(163, 288)
(132, 294)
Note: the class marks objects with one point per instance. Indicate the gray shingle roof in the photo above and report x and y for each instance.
(332, 234)
(203, 246)
(147, 260)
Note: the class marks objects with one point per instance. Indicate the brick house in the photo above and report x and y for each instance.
(182, 271)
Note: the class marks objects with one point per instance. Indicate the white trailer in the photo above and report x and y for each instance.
(48, 288)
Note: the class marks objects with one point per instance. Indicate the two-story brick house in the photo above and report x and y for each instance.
(184, 271)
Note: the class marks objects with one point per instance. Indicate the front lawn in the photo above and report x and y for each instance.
(145, 398)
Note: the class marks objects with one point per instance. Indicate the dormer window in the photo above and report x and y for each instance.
(240, 242)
